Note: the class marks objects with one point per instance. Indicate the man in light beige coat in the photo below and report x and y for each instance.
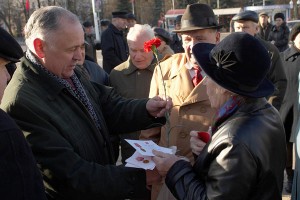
(191, 107)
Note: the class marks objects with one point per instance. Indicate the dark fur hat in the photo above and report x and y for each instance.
(279, 15)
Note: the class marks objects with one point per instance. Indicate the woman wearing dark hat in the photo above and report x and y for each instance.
(245, 157)
(279, 35)
(164, 49)
(20, 177)
(290, 108)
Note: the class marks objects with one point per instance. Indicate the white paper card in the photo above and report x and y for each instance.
(145, 147)
(140, 161)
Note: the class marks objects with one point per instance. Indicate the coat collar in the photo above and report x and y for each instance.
(251, 105)
(186, 92)
(115, 30)
(131, 68)
(50, 84)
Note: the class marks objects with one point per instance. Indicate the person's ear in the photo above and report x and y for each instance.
(256, 28)
(39, 46)
(218, 37)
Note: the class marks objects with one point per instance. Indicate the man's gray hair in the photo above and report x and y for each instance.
(139, 29)
(44, 21)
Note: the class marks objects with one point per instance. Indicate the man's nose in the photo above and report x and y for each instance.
(78, 54)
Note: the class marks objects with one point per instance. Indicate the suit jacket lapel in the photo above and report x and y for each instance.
(197, 94)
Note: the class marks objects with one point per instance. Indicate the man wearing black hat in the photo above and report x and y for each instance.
(264, 26)
(176, 43)
(20, 177)
(279, 35)
(290, 108)
(183, 83)
(247, 21)
(113, 44)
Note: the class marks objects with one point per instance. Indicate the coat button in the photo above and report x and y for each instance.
(183, 135)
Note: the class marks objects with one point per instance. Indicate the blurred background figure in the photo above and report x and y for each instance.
(131, 20)
(290, 110)
(247, 21)
(92, 71)
(295, 37)
(113, 44)
(176, 43)
(91, 45)
(164, 49)
(104, 24)
(264, 26)
(279, 35)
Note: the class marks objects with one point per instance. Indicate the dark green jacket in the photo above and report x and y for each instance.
(75, 158)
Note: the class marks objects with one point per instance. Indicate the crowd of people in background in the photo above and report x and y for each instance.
(76, 113)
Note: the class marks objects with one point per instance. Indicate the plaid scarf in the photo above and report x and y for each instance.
(76, 90)
(227, 110)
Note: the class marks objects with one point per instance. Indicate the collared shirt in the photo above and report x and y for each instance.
(189, 66)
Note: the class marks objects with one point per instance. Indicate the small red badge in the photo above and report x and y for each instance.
(204, 136)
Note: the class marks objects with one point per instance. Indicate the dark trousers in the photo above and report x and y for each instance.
(288, 123)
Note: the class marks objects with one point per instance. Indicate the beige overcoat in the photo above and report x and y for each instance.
(191, 110)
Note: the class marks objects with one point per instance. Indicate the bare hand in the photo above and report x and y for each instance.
(164, 161)
(157, 106)
(196, 144)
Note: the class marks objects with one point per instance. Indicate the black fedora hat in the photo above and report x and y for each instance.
(9, 48)
(239, 63)
(163, 34)
(119, 14)
(198, 16)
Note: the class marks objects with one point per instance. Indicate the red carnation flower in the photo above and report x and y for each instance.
(152, 43)
(204, 136)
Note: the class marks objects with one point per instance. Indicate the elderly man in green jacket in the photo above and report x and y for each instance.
(67, 120)
(131, 79)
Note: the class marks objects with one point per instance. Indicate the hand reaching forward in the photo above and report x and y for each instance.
(164, 161)
(157, 106)
(196, 144)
